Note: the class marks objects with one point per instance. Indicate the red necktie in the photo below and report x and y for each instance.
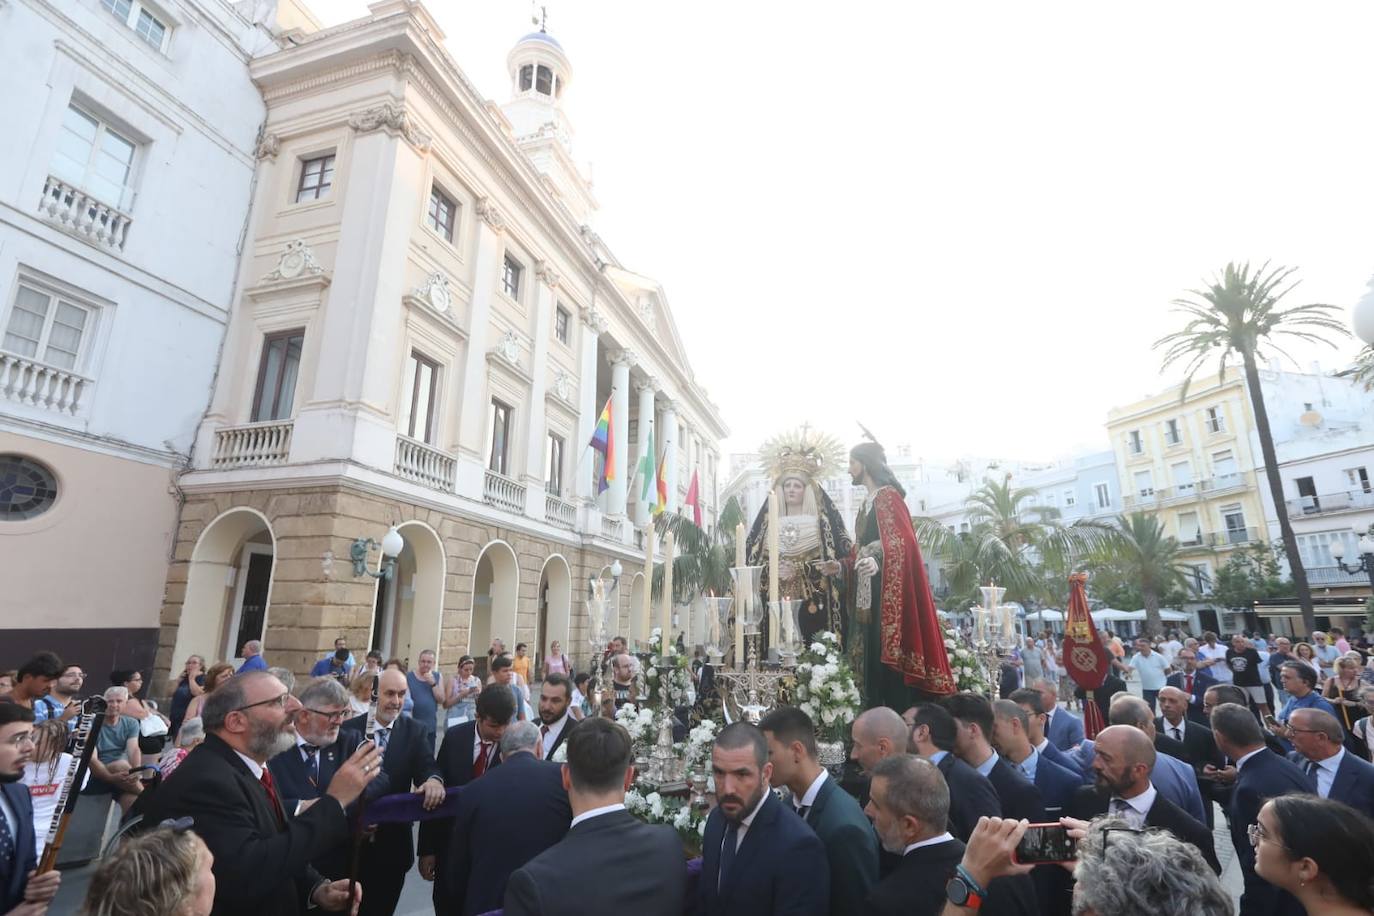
(1188, 683)
(272, 797)
(479, 766)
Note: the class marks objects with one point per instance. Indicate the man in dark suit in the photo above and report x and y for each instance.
(758, 857)
(468, 751)
(1199, 747)
(1261, 775)
(1018, 796)
(1063, 728)
(504, 819)
(555, 882)
(1339, 774)
(1193, 681)
(909, 805)
(1122, 763)
(851, 846)
(1173, 777)
(262, 856)
(971, 796)
(19, 886)
(555, 698)
(302, 773)
(1033, 702)
(1011, 738)
(407, 761)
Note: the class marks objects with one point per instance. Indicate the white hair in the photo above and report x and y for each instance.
(116, 693)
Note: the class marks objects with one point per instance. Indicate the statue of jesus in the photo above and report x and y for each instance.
(897, 648)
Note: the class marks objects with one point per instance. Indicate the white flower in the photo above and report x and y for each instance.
(818, 648)
(702, 829)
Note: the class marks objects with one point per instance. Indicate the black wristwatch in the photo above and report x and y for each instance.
(963, 891)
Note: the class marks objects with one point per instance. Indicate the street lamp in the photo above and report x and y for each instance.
(392, 545)
(1362, 316)
(1366, 564)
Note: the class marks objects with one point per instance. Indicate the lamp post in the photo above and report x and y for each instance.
(392, 545)
(1366, 563)
(1362, 316)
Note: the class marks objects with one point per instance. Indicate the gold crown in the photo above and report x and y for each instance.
(801, 453)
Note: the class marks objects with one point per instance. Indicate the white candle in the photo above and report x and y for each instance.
(739, 599)
(774, 574)
(666, 617)
(645, 598)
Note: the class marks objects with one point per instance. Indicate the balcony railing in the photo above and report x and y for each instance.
(1233, 537)
(1329, 502)
(1222, 482)
(503, 493)
(254, 445)
(1196, 539)
(611, 528)
(1138, 499)
(37, 385)
(1336, 577)
(559, 512)
(425, 464)
(76, 211)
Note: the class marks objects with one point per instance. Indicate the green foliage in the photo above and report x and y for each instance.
(1251, 572)
(703, 559)
(1363, 373)
(1139, 559)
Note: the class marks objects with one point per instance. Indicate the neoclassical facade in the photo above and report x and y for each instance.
(425, 332)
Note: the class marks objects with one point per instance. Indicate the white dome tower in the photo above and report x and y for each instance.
(539, 75)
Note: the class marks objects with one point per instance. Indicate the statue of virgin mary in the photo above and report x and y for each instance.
(811, 530)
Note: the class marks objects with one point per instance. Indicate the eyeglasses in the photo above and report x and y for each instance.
(338, 716)
(20, 739)
(278, 701)
(1258, 834)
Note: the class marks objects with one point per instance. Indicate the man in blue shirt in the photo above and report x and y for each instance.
(252, 657)
(1300, 681)
(338, 666)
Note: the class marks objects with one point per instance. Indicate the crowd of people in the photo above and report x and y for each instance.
(257, 793)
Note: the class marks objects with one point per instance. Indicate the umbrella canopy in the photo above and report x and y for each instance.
(1112, 614)
(1046, 614)
(1164, 614)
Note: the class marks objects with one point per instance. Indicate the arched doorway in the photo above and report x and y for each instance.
(409, 609)
(228, 586)
(495, 593)
(555, 606)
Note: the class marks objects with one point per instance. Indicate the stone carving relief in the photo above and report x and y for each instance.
(268, 146)
(296, 261)
(489, 214)
(648, 314)
(562, 385)
(434, 292)
(394, 119)
(546, 272)
(509, 348)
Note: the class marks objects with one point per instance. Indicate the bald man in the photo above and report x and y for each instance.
(408, 763)
(1171, 775)
(1123, 757)
(877, 733)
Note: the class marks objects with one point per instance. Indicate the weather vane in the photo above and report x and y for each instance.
(539, 15)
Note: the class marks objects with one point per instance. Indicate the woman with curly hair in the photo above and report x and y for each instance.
(1319, 851)
(218, 674)
(162, 873)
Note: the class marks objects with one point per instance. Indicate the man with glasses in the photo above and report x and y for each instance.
(262, 854)
(21, 891)
(1193, 681)
(1321, 753)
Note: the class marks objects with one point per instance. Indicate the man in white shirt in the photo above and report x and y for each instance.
(1211, 657)
(1325, 652)
(555, 701)
(1152, 668)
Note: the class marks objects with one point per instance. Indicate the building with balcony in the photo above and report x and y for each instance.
(126, 182)
(424, 333)
(1190, 460)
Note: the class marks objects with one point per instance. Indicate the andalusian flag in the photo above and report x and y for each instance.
(646, 468)
(603, 440)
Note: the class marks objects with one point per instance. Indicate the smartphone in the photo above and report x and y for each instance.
(1271, 721)
(1046, 843)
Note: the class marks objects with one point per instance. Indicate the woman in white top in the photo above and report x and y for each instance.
(45, 774)
(463, 689)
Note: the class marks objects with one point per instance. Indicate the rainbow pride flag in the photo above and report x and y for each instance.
(603, 440)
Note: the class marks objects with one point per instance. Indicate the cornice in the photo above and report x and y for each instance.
(394, 120)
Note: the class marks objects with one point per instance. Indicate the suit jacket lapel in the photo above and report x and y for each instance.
(822, 799)
(249, 785)
(753, 840)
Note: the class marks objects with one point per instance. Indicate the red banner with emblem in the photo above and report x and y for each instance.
(1085, 658)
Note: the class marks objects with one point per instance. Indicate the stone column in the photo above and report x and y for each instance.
(621, 361)
(645, 390)
(472, 416)
(593, 326)
(670, 432)
(535, 432)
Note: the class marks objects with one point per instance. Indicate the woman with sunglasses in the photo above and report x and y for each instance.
(1319, 851)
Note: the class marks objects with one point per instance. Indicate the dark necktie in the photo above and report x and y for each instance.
(312, 763)
(479, 766)
(7, 850)
(1312, 768)
(383, 735)
(1178, 733)
(727, 851)
(544, 735)
(803, 811)
(272, 797)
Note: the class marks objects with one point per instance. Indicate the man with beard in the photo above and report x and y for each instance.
(22, 893)
(555, 698)
(909, 805)
(407, 760)
(758, 858)
(262, 856)
(1122, 760)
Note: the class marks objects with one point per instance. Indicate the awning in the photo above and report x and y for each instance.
(1323, 610)
(1046, 614)
(1111, 614)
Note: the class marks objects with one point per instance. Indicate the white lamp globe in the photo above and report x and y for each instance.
(1362, 316)
(1366, 545)
(1338, 550)
(393, 543)
(616, 569)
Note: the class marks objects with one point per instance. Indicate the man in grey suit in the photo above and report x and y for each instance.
(562, 880)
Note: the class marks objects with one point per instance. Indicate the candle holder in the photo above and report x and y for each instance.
(596, 637)
(990, 634)
(717, 637)
(750, 691)
(788, 641)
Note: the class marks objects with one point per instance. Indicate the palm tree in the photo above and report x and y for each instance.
(1139, 553)
(1239, 314)
(1363, 370)
(1009, 542)
(703, 559)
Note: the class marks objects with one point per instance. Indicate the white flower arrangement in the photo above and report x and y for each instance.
(670, 684)
(678, 813)
(963, 663)
(640, 722)
(825, 688)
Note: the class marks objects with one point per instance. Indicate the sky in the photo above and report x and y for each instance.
(960, 225)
